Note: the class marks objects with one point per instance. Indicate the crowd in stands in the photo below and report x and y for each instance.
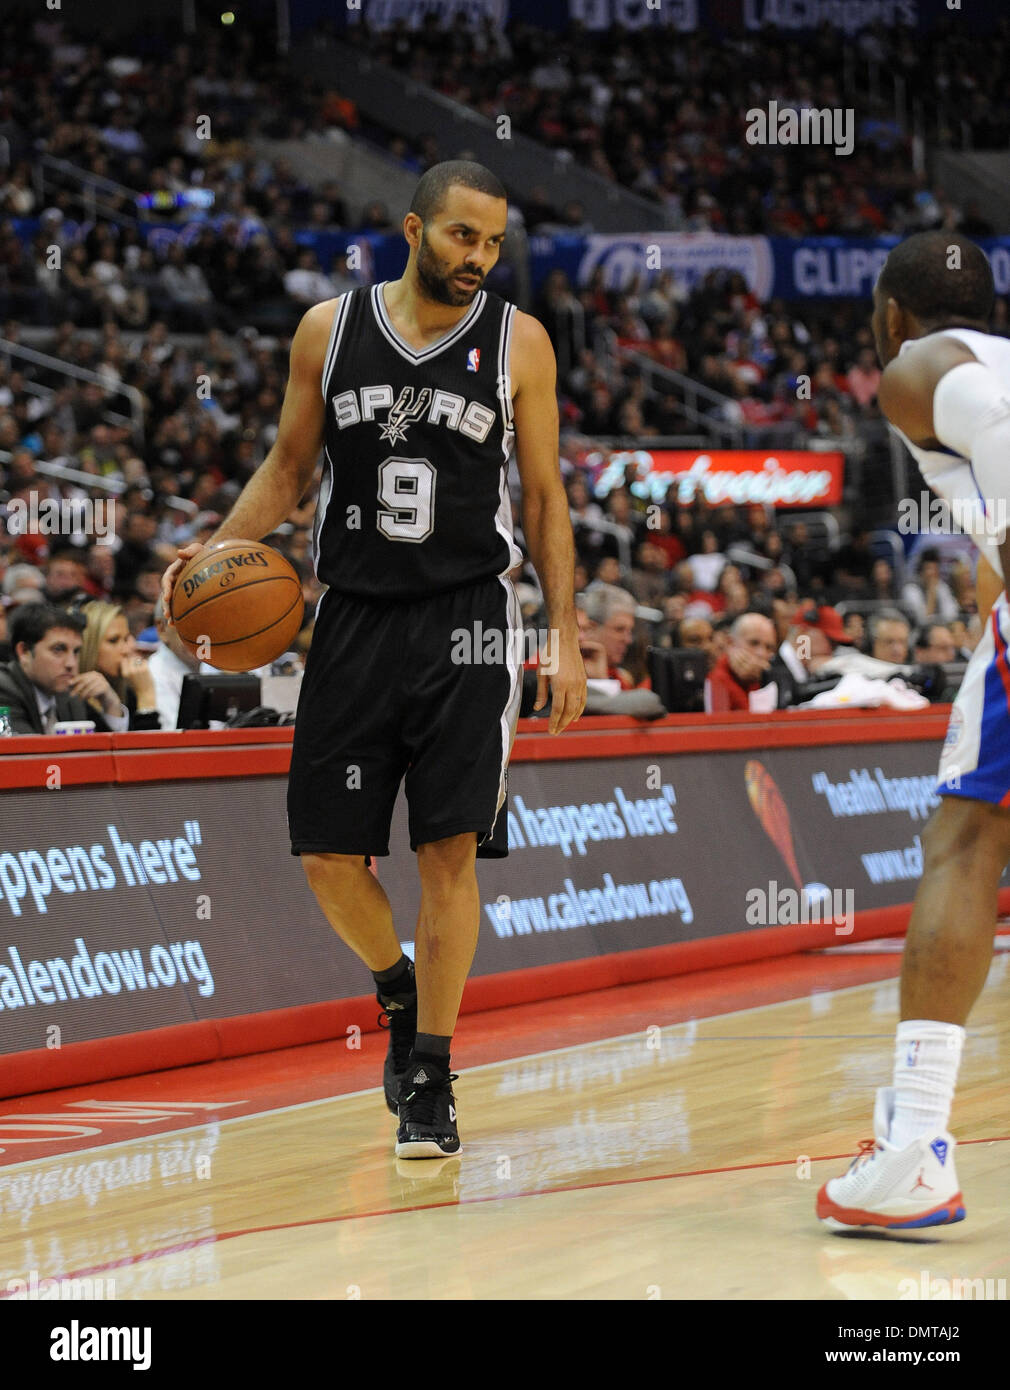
(168, 120)
(156, 488)
(698, 575)
(668, 120)
(163, 319)
(782, 373)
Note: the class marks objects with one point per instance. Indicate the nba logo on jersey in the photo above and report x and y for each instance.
(473, 360)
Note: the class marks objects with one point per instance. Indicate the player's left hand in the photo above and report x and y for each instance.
(563, 671)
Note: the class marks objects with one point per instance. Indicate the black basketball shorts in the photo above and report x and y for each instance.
(421, 690)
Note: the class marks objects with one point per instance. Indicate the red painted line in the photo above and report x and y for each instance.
(160, 1251)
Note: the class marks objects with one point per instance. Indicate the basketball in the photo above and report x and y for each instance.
(238, 605)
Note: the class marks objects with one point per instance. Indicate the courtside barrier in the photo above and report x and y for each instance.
(151, 914)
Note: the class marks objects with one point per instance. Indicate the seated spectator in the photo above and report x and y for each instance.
(708, 564)
(607, 572)
(639, 702)
(854, 625)
(375, 218)
(19, 577)
(108, 648)
(666, 539)
(43, 684)
(864, 377)
(594, 653)
(853, 566)
(883, 585)
(934, 644)
(585, 513)
(812, 640)
(66, 576)
(341, 278)
(619, 512)
(927, 596)
(649, 578)
(695, 634)
(306, 283)
(168, 666)
(889, 634)
(138, 550)
(741, 670)
(612, 613)
(820, 646)
(186, 288)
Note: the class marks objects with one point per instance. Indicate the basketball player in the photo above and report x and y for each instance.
(416, 390)
(946, 390)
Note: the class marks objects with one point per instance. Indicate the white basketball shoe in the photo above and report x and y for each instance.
(894, 1189)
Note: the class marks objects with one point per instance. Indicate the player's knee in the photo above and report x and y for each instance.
(333, 870)
(444, 863)
(965, 833)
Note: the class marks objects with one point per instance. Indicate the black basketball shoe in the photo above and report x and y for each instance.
(427, 1126)
(400, 1014)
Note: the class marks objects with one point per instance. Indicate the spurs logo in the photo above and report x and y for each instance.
(404, 413)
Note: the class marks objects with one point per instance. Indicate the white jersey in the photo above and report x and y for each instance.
(950, 475)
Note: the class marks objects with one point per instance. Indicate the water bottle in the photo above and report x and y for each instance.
(5, 722)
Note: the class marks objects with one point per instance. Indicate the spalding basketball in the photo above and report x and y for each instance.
(238, 605)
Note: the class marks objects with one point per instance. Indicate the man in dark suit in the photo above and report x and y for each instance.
(43, 684)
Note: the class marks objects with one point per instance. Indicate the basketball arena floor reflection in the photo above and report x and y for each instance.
(652, 1141)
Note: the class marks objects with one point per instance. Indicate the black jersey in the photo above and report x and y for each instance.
(414, 498)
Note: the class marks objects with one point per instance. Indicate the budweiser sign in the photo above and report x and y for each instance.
(791, 478)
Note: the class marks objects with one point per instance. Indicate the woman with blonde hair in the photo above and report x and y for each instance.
(108, 646)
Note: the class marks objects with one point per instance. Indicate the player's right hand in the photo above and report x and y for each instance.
(172, 574)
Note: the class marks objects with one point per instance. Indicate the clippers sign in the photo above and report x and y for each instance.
(738, 477)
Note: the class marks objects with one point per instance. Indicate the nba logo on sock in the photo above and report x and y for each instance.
(939, 1147)
(473, 360)
(913, 1054)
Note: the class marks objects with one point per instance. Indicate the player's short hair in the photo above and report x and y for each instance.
(918, 275)
(433, 187)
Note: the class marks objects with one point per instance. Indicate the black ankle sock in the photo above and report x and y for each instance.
(432, 1045)
(397, 979)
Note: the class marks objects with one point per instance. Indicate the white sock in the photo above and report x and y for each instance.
(926, 1058)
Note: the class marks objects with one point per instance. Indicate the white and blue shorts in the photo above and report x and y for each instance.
(975, 762)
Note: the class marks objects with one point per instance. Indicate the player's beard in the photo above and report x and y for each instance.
(436, 284)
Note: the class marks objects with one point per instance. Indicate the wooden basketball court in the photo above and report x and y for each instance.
(660, 1141)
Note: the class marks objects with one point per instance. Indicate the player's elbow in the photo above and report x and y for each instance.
(970, 403)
